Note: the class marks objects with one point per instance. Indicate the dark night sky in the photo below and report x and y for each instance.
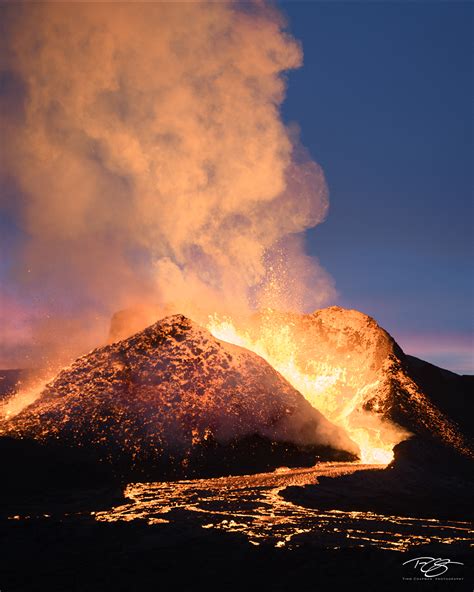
(384, 105)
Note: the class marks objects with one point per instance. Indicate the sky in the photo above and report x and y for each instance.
(383, 103)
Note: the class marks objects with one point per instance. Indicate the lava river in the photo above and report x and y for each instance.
(251, 505)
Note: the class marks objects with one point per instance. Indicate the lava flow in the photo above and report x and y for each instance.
(339, 360)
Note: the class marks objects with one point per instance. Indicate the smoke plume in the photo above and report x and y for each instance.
(146, 163)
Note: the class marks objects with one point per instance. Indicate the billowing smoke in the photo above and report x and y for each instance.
(145, 162)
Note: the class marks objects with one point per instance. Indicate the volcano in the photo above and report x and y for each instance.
(303, 386)
(173, 396)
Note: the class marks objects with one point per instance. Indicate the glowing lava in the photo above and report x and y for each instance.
(341, 370)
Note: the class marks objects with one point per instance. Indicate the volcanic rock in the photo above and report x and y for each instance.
(172, 398)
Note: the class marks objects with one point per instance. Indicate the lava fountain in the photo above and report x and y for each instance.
(339, 360)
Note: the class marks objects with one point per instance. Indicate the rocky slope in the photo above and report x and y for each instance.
(452, 393)
(175, 398)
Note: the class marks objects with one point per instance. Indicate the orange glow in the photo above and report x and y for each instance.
(337, 385)
(26, 395)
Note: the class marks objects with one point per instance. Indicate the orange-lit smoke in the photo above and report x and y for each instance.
(147, 147)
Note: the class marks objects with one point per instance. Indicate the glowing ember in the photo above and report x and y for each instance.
(336, 359)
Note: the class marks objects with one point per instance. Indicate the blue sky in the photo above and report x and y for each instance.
(384, 105)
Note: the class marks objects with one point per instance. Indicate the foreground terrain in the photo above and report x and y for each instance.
(229, 533)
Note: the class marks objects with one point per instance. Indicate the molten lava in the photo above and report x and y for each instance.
(336, 359)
